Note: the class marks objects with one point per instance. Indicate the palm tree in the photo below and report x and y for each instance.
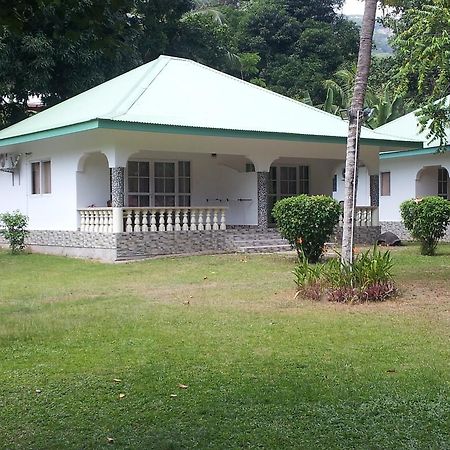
(356, 117)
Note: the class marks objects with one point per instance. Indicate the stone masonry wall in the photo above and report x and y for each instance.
(363, 235)
(399, 229)
(144, 245)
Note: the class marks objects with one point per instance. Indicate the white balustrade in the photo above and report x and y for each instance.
(364, 216)
(169, 219)
(96, 220)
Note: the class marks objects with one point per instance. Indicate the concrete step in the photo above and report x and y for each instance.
(265, 248)
(250, 242)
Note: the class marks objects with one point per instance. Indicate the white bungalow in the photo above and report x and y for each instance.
(168, 158)
(414, 173)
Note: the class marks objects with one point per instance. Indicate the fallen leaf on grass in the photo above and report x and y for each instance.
(121, 396)
(110, 440)
(117, 380)
(183, 386)
(173, 395)
(205, 278)
(391, 371)
(38, 391)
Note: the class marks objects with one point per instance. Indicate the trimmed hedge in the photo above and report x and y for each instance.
(307, 222)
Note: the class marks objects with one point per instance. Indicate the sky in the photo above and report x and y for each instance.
(353, 7)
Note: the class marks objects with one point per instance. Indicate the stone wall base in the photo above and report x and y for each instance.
(363, 235)
(127, 246)
(145, 245)
(399, 229)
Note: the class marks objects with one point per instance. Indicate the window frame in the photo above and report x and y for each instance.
(442, 188)
(152, 191)
(384, 193)
(42, 179)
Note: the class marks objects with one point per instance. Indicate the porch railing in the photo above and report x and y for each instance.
(365, 216)
(118, 220)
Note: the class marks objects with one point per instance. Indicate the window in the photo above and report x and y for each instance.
(287, 181)
(159, 183)
(443, 183)
(138, 183)
(41, 178)
(385, 183)
(249, 167)
(335, 183)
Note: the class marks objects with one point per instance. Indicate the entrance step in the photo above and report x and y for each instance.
(255, 241)
(265, 248)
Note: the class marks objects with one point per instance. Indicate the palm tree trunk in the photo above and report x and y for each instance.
(354, 128)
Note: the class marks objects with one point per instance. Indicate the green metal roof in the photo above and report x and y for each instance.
(173, 95)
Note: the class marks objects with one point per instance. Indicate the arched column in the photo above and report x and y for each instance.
(262, 165)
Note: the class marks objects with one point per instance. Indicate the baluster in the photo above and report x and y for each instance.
(185, 220)
(82, 221)
(200, 226)
(162, 225)
(208, 220)
(370, 217)
(153, 226)
(223, 220)
(129, 221)
(169, 220)
(215, 220)
(177, 220)
(144, 227)
(137, 221)
(109, 228)
(101, 221)
(91, 222)
(193, 226)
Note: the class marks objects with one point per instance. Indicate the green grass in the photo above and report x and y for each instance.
(263, 370)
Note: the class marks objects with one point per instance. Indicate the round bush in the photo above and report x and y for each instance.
(307, 222)
(427, 220)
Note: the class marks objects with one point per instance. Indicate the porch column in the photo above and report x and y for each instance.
(118, 187)
(375, 197)
(118, 197)
(263, 200)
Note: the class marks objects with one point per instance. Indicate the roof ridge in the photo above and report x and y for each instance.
(140, 87)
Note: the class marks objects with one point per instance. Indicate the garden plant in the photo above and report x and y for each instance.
(307, 222)
(13, 229)
(368, 278)
(427, 220)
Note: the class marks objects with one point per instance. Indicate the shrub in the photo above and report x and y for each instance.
(14, 230)
(307, 222)
(426, 219)
(369, 278)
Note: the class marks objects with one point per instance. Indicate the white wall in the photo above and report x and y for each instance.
(54, 211)
(404, 172)
(93, 181)
(363, 193)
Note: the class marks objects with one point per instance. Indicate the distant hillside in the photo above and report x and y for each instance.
(381, 36)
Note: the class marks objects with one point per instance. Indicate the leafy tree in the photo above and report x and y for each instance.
(422, 46)
(300, 43)
(14, 230)
(58, 49)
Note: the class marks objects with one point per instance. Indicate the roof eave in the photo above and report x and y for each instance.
(196, 131)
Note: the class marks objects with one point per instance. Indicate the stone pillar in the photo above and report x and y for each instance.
(375, 198)
(374, 190)
(263, 200)
(118, 187)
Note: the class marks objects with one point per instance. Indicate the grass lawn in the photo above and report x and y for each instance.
(262, 370)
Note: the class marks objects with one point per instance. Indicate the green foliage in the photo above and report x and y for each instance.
(427, 220)
(14, 230)
(307, 222)
(422, 46)
(369, 278)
